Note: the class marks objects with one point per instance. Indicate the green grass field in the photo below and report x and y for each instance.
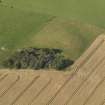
(67, 24)
(88, 11)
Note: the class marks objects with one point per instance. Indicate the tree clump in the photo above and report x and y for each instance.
(38, 58)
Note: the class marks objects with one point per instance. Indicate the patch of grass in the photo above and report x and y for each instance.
(17, 26)
(71, 36)
(90, 11)
(24, 23)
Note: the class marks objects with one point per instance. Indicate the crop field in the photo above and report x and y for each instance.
(70, 25)
(84, 85)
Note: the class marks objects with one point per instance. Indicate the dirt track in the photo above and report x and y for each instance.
(84, 85)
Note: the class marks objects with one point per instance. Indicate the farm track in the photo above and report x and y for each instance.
(84, 85)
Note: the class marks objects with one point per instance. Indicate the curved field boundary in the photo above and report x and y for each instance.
(83, 63)
(83, 96)
(89, 52)
(83, 86)
(86, 79)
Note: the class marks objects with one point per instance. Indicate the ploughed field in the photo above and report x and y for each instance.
(84, 85)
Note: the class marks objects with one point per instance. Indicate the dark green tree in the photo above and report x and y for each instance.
(38, 58)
